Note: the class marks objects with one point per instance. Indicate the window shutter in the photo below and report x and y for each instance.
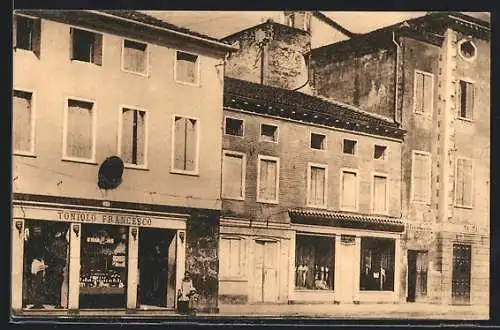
(71, 43)
(467, 188)
(379, 193)
(191, 143)
(14, 31)
(80, 135)
(470, 100)
(21, 126)
(419, 90)
(141, 137)
(459, 186)
(232, 176)
(349, 190)
(97, 49)
(427, 99)
(179, 143)
(37, 37)
(127, 128)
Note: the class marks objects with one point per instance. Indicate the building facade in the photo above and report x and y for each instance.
(431, 75)
(115, 193)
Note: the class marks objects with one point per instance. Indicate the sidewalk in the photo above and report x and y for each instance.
(367, 311)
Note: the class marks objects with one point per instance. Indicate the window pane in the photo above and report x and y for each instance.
(79, 138)
(349, 190)
(470, 100)
(83, 44)
(380, 194)
(134, 56)
(421, 178)
(21, 126)
(314, 262)
(232, 176)
(24, 32)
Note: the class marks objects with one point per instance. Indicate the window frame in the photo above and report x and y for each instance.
(325, 145)
(431, 110)
(387, 194)
(412, 183)
(146, 52)
(65, 157)
(455, 204)
(73, 60)
(242, 126)
(14, 21)
(243, 261)
(308, 185)
(198, 70)
(146, 134)
(459, 45)
(277, 160)
(173, 170)
(341, 195)
(243, 177)
(386, 152)
(355, 147)
(277, 133)
(32, 151)
(458, 99)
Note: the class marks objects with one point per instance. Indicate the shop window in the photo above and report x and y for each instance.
(22, 125)
(349, 192)
(380, 195)
(186, 69)
(185, 144)
(421, 176)
(234, 126)
(79, 139)
(463, 182)
(45, 271)
(268, 133)
(26, 33)
(86, 46)
(133, 137)
(134, 56)
(103, 266)
(317, 185)
(268, 179)
(379, 152)
(349, 147)
(318, 141)
(233, 175)
(314, 262)
(377, 264)
(466, 99)
(231, 257)
(423, 95)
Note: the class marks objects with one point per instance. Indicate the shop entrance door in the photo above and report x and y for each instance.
(460, 283)
(266, 272)
(156, 262)
(417, 275)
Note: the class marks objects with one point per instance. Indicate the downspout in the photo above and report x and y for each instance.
(396, 78)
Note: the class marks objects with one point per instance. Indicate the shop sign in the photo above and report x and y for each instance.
(348, 239)
(115, 219)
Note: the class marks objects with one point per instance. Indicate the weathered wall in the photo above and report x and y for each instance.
(366, 80)
(284, 62)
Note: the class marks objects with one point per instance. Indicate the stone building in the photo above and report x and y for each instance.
(90, 86)
(431, 76)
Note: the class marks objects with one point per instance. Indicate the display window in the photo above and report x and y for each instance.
(377, 264)
(45, 265)
(314, 262)
(103, 266)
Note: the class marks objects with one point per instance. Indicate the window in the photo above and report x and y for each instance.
(421, 177)
(317, 185)
(231, 260)
(349, 192)
(79, 137)
(349, 147)
(380, 194)
(466, 97)
(463, 182)
(233, 175)
(268, 179)
(423, 92)
(186, 68)
(318, 141)
(133, 136)
(22, 122)
(314, 262)
(379, 152)
(26, 34)
(185, 142)
(268, 133)
(234, 127)
(86, 46)
(467, 50)
(377, 264)
(134, 56)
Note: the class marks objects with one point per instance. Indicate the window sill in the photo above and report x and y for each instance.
(136, 73)
(24, 50)
(238, 136)
(270, 141)
(74, 60)
(234, 198)
(187, 83)
(182, 172)
(323, 207)
(79, 160)
(468, 207)
(314, 291)
(263, 201)
(350, 155)
(376, 291)
(136, 167)
(468, 120)
(24, 154)
(317, 149)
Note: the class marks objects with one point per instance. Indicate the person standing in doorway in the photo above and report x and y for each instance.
(38, 268)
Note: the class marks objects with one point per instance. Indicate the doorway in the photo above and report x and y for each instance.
(156, 263)
(418, 262)
(266, 271)
(460, 283)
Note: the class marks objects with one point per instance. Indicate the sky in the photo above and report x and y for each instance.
(219, 24)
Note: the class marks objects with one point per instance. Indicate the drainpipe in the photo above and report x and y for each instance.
(396, 77)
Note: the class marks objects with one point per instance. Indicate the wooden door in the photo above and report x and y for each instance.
(265, 279)
(460, 283)
(412, 275)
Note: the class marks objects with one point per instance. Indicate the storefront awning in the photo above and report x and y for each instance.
(345, 220)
